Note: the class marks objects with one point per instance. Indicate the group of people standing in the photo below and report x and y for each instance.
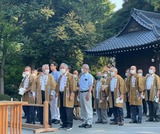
(71, 95)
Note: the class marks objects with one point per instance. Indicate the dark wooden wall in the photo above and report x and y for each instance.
(141, 59)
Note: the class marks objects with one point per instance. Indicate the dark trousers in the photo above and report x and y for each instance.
(153, 107)
(66, 114)
(30, 114)
(41, 111)
(119, 114)
(136, 110)
(112, 110)
(128, 108)
(25, 110)
(144, 106)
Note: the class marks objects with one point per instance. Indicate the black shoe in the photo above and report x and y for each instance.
(133, 121)
(150, 120)
(104, 122)
(121, 124)
(127, 117)
(53, 120)
(62, 127)
(88, 126)
(114, 123)
(57, 122)
(112, 119)
(83, 125)
(97, 122)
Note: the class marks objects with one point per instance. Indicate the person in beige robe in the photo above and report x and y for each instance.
(27, 96)
(116, 89)
(107, 77)
(152, 86)
(136, 88)
(100, 98)
(65, 91)
(42, 88)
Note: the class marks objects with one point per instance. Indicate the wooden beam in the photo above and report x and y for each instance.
(36, 131)
(33, 126)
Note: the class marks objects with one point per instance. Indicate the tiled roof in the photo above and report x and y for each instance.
(148, 20)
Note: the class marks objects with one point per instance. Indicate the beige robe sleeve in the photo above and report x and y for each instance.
(72, 85)
(140, 84)
(31, 80)
(34, 85)
(158, 82)
(121, 86)
(53, 83)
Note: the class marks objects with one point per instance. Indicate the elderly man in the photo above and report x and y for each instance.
(65, 92)
(27, 96)
(152, 93)
(54, 109)
(116, 88)
(42, 89)
(85, 88)
(100, 93)
(136, 88)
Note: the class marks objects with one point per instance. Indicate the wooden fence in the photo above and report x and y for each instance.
(13, 109)
(15, 120)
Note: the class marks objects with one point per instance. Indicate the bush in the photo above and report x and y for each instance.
(5, 97)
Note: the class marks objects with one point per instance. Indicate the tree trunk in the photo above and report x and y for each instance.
(2, 71)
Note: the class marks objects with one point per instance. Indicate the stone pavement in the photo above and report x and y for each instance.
(144, 128)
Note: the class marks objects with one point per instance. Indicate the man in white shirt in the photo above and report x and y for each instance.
(42, 88)
(65, 91)
(54, 109)
(152, 94)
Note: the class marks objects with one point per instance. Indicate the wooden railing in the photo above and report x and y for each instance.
(15, 120)
(41, 128)
(15, 117)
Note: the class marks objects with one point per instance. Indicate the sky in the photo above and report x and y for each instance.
(118, 4)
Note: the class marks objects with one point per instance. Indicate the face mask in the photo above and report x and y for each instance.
(105, 75)
(139, 74)
(126, 74)
(151, 71)
(98, 77)
(75, 76)
(47, 71)
(62, 71)
(82, 70)
(132, 71)
(23, 75)
(112, 74)
(34, 75)
(27, 73)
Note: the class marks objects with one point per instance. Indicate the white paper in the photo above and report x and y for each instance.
(118, 100)
(78, 98)
(21, 91)
(156, 99)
